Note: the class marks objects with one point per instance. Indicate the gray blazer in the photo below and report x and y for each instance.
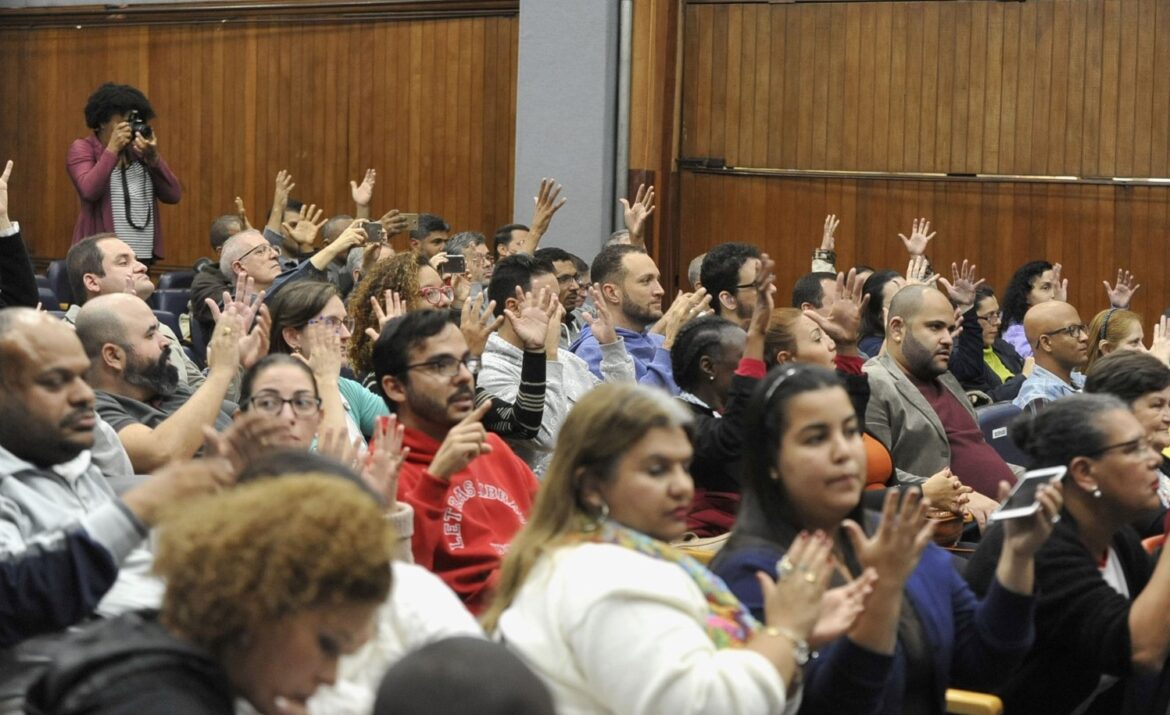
(901, 418)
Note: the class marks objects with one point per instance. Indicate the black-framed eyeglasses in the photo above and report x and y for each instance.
(262, 247)
(994, 316)
(1133, 448)
(745, 286)
(1070, 330)
(448, 365)
(303, 404)
(569, 278)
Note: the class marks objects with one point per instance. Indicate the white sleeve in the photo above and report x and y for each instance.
(616, 363)
(643, 650)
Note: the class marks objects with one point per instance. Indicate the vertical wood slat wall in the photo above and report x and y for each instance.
(1044, 87)
(1039, 88)
(428, 103)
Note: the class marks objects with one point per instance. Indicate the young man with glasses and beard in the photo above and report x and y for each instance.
(469, 491)
(138, 391)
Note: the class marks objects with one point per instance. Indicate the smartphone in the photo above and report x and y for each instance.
(1022, 501)
(373, 231)
(455, 265)
(411, 221)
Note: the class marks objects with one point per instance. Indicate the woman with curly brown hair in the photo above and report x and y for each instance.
(267, 587)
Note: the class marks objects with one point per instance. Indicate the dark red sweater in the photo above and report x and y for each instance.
(463, 525)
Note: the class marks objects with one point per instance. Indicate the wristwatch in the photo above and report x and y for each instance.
(800, 650)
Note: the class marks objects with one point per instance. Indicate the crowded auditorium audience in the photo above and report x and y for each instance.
(317, 473)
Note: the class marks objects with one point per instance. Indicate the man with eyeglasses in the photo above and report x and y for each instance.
(1060, 345)
(728, 273)
(918, 409)
(570, 290)
(138, 391)
(469, 491)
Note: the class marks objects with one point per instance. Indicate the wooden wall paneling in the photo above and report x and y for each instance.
(1107, 156)
(898, 89)
(993, 68)
(849, 137)
(977, 88)
(1056, 153)
(733, 116)
(1092, 229)
(763, 87)
(1144, 81)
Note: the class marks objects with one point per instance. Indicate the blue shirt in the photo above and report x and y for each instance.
(651, 360)
(1046, 386)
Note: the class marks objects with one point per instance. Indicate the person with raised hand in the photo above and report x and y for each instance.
(638, 213)
(716, 365)
(524, 290)
(595, 600)
(18, 282)
(922, 630)
(546, 203)
(469, 490)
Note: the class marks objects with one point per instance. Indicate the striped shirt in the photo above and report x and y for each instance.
(137, 180)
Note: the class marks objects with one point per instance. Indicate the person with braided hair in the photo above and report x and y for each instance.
(716, 365)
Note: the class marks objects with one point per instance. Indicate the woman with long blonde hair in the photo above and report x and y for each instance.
(595, 600)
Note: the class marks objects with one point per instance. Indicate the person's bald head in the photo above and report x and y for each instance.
(1057, 335)
(919, 331)
(334, 227)
(46, 407)
(128, 352)
(100, 321)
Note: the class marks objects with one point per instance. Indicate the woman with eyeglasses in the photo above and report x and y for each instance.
(982, 360)
(309, 321)
(1101, 626)
(922, 630)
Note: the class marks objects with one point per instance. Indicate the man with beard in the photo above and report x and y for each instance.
(919, 410)
(1060, 345)
(65, 539)
(469, 491)
(138, 390)
(105, 264)
(630, 287)
(728, 272)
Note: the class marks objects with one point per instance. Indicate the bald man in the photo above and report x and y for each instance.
(1060, 345)
(157, 418)
(65, 539)
(919, 410)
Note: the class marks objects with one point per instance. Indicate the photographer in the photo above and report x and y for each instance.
(118, 172)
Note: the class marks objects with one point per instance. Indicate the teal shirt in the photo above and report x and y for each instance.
(363, 406)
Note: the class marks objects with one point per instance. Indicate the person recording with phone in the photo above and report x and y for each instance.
(1102, 635)
(118, 172)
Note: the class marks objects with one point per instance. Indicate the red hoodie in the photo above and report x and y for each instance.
(463, 525)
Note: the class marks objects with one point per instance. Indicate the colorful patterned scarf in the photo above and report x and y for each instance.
(728, 623)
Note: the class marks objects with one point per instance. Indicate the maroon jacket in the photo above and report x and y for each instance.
(90, 166)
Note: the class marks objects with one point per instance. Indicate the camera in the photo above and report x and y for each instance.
(138, 126)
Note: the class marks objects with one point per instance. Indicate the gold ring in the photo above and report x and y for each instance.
(227, 331)
(784, 569)
(810, 576)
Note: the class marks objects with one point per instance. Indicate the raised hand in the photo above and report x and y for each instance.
(545, 206)
(844, 322)
(284, 187)
(308, 226)
(337, 445)
(362, 193)
(395, 307)
(962, 291)
(322, 344)
(794, 600)
(828, 235)
(920, 237)
(901, 537)
(251, 435)
(636, 214)
(463, 443)
(840, 608)
(1160, 347)
(223, 350)
(532, 318)
(243, 214)
(4, 222)
(478, 322)
(385, 458)
(255, 344)
(246, 300)
(1121, 294)
(602, 323)
(684, 308)
(1059, 285)
(393, 222)
(918, 272)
